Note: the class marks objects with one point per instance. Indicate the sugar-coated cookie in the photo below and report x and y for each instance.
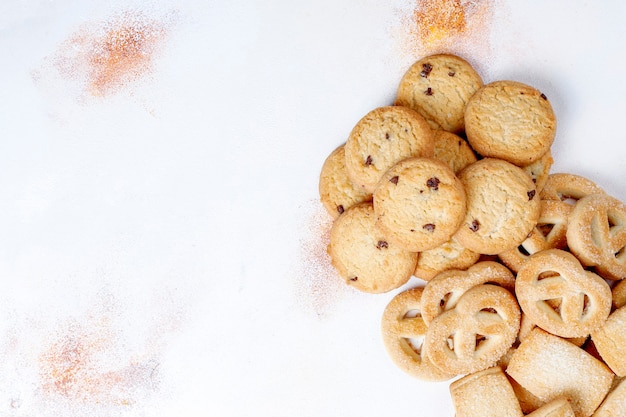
(363, 256)
(454, 150)
(549, 233)
(559, 407)
(597, 234)
(610, 341)
(551, 367)
(558, 295)
(487, 393)
(383, 137)
(403, 331)
(502, 206)
(449, 255)
(476, 333)
(444, 291)
(439, 87)
(419, 203)
(615, 402)
(337, 192)
(568, 187)
(510, 120)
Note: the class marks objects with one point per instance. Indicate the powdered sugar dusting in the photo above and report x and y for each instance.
(319, 287)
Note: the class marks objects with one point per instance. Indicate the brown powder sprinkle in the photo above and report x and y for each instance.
(107, 56)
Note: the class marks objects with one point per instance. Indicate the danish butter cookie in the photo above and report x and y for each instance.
(610, 341)
(568, 187)
(419, 203)
(539, 170)
(551, 367)
(362, 255)
(502, 206)
(453, 150)
(549, 233)
(443, 292)
(597, 234)
(439, 87)
(559, 407)
(615, 402)
(511, 121)
(383, 137)
(449, 255)
(487, 393)
(337, 192)
(558, 295)
(476, 333)
(403, 331)
(619, 294)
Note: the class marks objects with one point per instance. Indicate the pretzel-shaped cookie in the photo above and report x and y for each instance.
(558, 295)
(475, 333)
(444, 291)
(597, 234)
(403, 330)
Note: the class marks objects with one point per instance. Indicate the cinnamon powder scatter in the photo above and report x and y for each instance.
(79, 365)
(460, 27)
(319, 286)
(107, 56)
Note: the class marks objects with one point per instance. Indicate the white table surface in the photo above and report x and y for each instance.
(160, 249)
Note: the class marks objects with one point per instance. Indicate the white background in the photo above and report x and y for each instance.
(179, 216)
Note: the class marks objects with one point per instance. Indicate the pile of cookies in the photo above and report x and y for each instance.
(524, 302)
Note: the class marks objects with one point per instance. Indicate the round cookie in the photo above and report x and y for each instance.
(454, 150)
(383, 137)
(502, 206)
(568, 187)
(362, 255)
(337, 192)
(511, 121)
(439, 87)
(419, 203)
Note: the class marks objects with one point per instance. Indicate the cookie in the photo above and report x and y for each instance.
(383, 137)
(454, 150)
(619, 294)
(486, 393)
(610, 342)
(449, 255)
(511, 121)
(476, 333)
(558, 295)
(597, 234)
(539, 170)
(363, 256)
(559, 407)
(419, 203)
(550, 368)
(615, 402)
(439, 87)
(568, 187)
(502, 206)
(549, 233)
(337, 192)
(443, 292)
(403, 331)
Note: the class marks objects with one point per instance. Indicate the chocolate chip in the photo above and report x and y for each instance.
(531, 194)
(429, 227)
(368, 161)
(426, 69)
(412, 230)
(387, 136)
(394, 180)
(475, 225)
(340, 209)
(354, 278)
(543, 96)
(429, 91)
(433, 183)
(382, 245)
(451, 74)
